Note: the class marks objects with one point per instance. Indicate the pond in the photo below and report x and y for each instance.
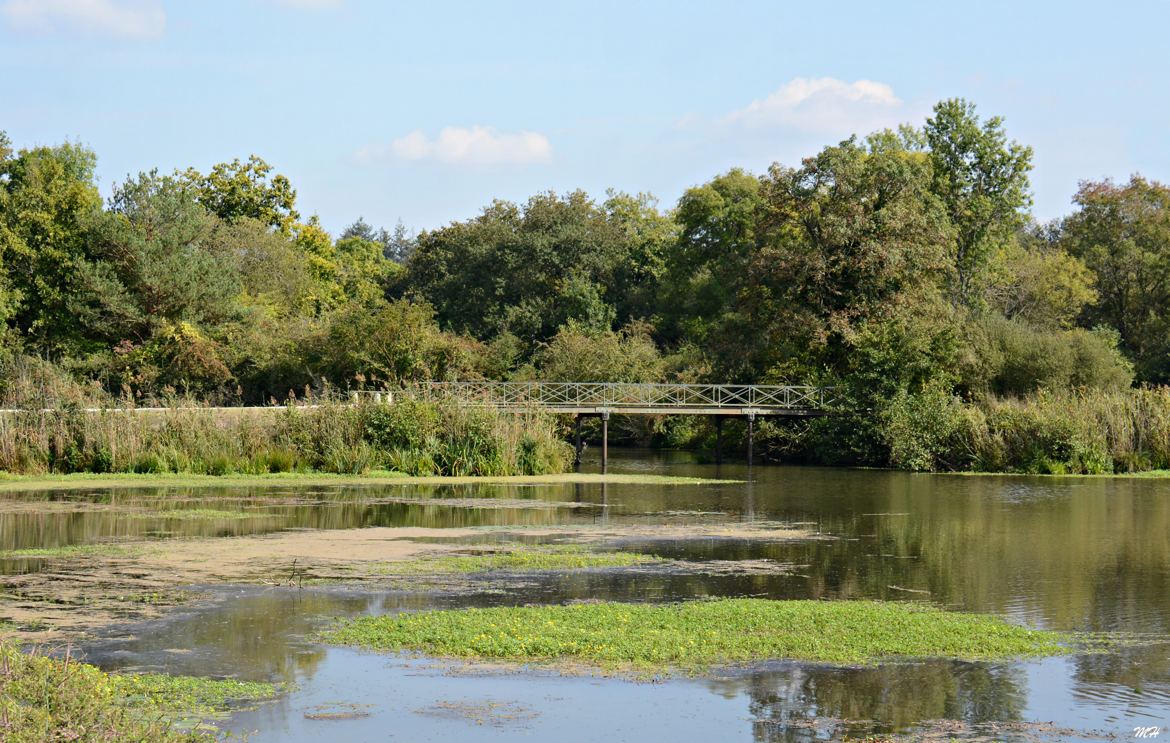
(1088, 554)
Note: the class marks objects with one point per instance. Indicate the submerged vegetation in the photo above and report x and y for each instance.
(523, 558)
(699, 634)
(903, 268)
(43, 698)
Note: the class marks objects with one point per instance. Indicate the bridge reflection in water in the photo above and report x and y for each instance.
(602, 399)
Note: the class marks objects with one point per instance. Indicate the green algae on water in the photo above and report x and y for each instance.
(696, 635)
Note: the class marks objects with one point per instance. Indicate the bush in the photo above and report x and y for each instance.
(930, 430)
(1010, 357)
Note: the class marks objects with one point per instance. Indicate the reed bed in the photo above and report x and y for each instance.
(1065, 432)
(415, 437)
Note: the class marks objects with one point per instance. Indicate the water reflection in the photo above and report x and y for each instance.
(1069, 554)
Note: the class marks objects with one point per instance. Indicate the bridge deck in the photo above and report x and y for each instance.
(630, 398)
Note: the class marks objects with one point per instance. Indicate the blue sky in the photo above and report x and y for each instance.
(425, 112)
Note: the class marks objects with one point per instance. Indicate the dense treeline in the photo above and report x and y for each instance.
(903, 268)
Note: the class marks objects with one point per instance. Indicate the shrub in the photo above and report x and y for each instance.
(930, 430)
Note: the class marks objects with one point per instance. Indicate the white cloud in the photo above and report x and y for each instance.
(825, 105)
(130, 19)
(478, 145)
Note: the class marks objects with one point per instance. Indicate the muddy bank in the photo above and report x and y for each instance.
(65, 597)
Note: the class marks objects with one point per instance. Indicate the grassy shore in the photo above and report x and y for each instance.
(44, 698)
(1138, 475)
(84, 481)
(692, 636)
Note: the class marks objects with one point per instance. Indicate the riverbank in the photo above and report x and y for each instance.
(85, 481)
(413, 436)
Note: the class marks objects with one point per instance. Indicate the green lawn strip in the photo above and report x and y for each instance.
(20, 483)
(548, 557)
(696, 635)
(44, 698)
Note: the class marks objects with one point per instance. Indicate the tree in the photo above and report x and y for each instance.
(850, 239)
(48, 201)
(1034, 280)
(982, 180)
(528, 270)
(399, 342)
(717, 238)
(8, 243)
(237, 190)
(1122, 233)
(151, 258)
(396, 246)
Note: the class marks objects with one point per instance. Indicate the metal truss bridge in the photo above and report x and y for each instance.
(603, 399)
(633, 398)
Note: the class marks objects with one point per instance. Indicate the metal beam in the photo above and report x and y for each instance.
(595, 398)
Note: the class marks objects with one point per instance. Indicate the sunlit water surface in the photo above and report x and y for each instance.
(1060, 553)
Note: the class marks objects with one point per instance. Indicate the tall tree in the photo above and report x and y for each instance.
(397, 245)
(982, 179)
(48, 203)
(1122, 232)
(717, 239)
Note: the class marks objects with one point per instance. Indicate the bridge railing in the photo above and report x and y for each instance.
(618, 395)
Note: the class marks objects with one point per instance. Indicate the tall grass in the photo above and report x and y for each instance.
(437, 438)
(1067, 432)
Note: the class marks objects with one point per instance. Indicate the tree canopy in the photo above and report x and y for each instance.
(899, 264)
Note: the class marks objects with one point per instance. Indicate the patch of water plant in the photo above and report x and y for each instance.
(693, 636)
(521, 558)
(44, 698)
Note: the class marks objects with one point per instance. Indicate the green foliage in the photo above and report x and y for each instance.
(1122, 233)
(930, 430)
(982, 180)
(901, 268)
(1059, 432)
(414, 437)
(424, 438)
(1037, 282)
(48, 201)
(394, 344)
(237, 190)
(561, 257)
(696, 635)
(45, 699)
(1010, 357)
(578, 354)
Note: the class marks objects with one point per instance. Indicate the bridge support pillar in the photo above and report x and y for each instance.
(577, 441)
(604, 441)
(751, 443)
(719, 439)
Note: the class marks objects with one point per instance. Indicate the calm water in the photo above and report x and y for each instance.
(1068, 554)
